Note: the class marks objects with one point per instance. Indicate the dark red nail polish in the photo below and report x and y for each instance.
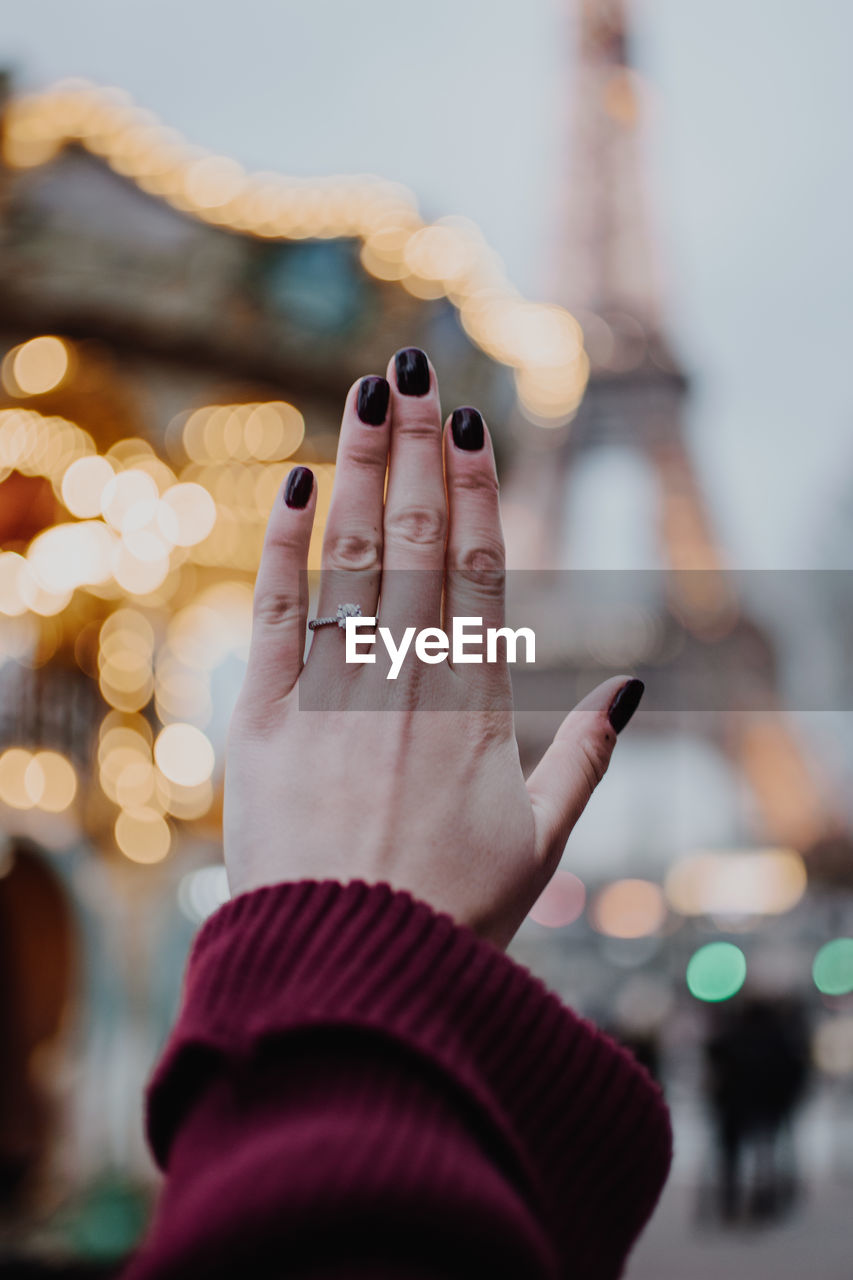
(466, 426)
(625, 704)
(298, 489)
(372, 403)
(412, 369)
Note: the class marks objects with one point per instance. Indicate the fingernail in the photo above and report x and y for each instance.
(467, 428)
(412, 368)
(297, 491)
(625, 704)
(372, 403)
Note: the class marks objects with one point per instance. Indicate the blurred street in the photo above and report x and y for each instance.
(681, 1242)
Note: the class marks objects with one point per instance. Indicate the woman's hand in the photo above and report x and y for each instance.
(335, 772)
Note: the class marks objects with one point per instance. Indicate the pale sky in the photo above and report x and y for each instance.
(467, 101)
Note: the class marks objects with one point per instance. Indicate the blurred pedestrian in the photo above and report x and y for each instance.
(758, 1058)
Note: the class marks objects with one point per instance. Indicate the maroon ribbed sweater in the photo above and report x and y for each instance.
(356, 1086)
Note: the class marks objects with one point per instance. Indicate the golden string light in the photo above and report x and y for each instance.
(125, 660)
(266, 432)
(135, 518)
(143, 834)
(134, 522)
(35, 367)
(131, 777)
(184, 755)
(37, 780)
(447, 258)
(38, 444)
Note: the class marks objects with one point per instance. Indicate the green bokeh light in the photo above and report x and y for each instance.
(716, 971)
(833, 968)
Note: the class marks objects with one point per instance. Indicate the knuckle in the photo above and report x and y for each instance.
(482, 565)
(354, 551)
(417, 526)
(276, 608)
(366, 459)
(418, 424)
(285, 542)
(477, 482)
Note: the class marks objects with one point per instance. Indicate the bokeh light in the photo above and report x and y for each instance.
(142, 834)
(629, 909)
(43, 779)
(66, 556)
(186, 514)
(832, 970)
(124, 759)
(736, 882)
(833, 1046)
(561, 902)
(181, 691)
(40, 599)
(125, 660)
(184, 755)
(213, 181)
(83, 485)
(14, 764)
(202, 892)
(129, 500)
(136, 783)
(57, 781)
(36, 366)
(38, 444)
(12, 567)
(716, 972)
(184, 802)
(267, 431)
(139, 564)
(34, 781)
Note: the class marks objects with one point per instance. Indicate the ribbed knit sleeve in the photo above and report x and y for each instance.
(358, 1086)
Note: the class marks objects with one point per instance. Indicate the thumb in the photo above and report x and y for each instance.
(576, 761)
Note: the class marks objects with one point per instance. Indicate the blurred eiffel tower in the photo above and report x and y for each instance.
(615, 488)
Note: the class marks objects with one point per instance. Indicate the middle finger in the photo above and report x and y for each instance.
(415, 503)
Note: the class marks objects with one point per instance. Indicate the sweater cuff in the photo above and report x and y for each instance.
(586, 1128)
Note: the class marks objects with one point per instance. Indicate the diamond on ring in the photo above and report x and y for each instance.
(343, 612)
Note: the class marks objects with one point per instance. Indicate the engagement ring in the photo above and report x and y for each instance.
(344, 611)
